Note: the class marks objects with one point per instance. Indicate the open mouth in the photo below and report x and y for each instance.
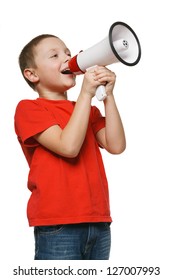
(66, 71)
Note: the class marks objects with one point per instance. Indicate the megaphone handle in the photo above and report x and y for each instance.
(101, 93)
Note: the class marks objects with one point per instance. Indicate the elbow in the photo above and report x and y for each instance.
(71, 152)
(118, 149)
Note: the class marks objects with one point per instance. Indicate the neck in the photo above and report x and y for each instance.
(53, 95)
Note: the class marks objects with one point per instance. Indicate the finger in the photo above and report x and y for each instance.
(105, 77)
(103, 71)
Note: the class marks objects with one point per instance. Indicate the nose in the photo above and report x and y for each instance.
(67, 58)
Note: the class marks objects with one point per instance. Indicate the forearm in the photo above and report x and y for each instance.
(114, 131)
(73, 134)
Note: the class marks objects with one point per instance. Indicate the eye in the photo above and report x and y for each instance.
(54, 55)
(68, 53)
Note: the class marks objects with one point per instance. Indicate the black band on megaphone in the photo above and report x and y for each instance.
(113, 48)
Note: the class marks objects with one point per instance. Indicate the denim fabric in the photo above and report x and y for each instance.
(73, 242)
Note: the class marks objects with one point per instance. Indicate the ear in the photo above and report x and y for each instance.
(31, 75)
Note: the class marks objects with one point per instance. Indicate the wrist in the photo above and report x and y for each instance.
(109, 98)
(85, 96)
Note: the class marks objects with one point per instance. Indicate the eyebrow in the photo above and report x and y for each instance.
(55, 49)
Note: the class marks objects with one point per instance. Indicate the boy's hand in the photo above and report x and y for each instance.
(105, 77)
(96, 76)
(90, 83)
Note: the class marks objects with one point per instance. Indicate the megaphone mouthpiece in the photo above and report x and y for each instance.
(74, 67)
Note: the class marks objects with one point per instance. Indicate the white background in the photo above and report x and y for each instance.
(140, 180)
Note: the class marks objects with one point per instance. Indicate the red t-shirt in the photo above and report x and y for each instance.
(63, 190)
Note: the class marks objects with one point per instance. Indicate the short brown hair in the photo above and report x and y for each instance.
(26, 57)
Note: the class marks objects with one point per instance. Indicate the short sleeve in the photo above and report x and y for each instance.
(30, 119)
(98, 121)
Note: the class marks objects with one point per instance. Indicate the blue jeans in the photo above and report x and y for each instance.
(90, 241)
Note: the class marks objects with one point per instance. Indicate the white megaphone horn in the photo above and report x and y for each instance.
(121, 45)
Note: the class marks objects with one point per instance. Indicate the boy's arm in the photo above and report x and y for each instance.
(112, 137)
(68, 141)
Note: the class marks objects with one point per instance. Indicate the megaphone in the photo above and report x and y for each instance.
(121, 45)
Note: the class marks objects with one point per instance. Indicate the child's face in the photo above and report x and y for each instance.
(51, 58)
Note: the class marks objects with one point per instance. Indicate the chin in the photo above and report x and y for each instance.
(71, 85)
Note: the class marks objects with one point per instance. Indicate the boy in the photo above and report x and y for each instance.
(69, 203)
